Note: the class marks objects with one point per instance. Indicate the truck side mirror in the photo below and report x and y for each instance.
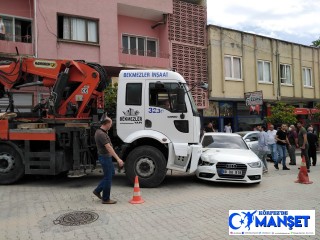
(181, 104)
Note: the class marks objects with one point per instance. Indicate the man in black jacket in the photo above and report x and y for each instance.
(313, 142)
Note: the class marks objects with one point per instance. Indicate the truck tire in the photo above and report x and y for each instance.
(149, 164)
(11, 166)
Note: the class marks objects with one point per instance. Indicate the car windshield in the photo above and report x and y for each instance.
(223, 141)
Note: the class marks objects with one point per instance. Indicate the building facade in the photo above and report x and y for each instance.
(242, 63)
(118, 34)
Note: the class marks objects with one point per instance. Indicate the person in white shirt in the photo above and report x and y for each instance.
(2, 29)
(227, 128)
(272, 143)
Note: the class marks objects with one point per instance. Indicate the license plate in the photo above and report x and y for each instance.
(232, 172)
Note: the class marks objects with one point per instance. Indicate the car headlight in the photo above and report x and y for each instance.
(255, 164)
(205, 161)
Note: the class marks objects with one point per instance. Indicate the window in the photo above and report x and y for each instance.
(264, 71)
(164, 97)
(285, 74)
(23, 102)
(133, 94)
(307, 79)
(78, 29)
(141, 46)
(16, 29)
(232, 67)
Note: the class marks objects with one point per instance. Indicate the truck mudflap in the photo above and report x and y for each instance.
(184, 157)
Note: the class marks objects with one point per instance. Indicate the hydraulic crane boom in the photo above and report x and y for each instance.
(76, 86)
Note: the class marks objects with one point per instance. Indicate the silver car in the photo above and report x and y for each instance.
(251, 138)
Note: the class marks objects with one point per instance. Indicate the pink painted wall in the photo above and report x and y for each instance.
(141, 27)
(19, 8)
(107, 53)
(16, 8)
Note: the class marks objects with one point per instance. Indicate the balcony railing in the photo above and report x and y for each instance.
(22, 43)
(147, 59)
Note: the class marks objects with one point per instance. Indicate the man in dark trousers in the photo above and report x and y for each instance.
(303, 144)
(313, 143)
(105, 154)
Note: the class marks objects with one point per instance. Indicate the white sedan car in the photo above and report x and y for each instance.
(227, 158)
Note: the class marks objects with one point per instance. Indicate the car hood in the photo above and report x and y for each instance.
(229, 155)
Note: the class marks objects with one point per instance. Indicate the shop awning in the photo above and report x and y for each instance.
(314, 110)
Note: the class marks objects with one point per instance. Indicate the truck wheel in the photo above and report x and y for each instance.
(148, 163)
(11, 166)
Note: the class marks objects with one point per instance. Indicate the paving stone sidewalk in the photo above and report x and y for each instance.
(182, 208)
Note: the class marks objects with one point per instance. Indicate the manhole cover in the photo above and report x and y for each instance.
(76, 218)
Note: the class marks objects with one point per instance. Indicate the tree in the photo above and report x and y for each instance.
(282, 113)
(316, 43)
(110, 99)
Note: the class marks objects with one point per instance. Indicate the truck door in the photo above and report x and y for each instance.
(130, 108)
(162, 114)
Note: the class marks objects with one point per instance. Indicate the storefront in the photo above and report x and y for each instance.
(241, 117)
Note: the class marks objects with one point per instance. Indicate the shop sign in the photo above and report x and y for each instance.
(253, 98)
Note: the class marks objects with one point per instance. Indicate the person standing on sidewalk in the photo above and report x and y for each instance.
(263, 147)
(105, 154)
(313, 143)
(272, 143)
(303, 144)
(282, 140)
(293, 141)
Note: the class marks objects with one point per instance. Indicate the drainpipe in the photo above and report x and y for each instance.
(35, 28)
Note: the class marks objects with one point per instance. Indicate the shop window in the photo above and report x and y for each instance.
(306, 76)
(264, 72)
(232, 68)
(142, 46)
(78, 29)
(15, 29)
(285, 74)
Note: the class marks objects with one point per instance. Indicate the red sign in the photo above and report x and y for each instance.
(302, 111)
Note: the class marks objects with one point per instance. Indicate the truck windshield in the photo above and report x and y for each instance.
(193, 104)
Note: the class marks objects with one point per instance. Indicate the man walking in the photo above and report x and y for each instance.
(263, 147)
(313, 142)
(293, 141)
(303, 144)
(282, 140)
(272, 143)
(105, 154)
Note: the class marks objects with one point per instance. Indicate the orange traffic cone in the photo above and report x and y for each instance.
(303, 173)
(136, 199)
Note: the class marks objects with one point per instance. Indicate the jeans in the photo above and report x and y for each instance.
(274, 152)
(292, 154)
(108, 172)
(263, 157)
(282, 154)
